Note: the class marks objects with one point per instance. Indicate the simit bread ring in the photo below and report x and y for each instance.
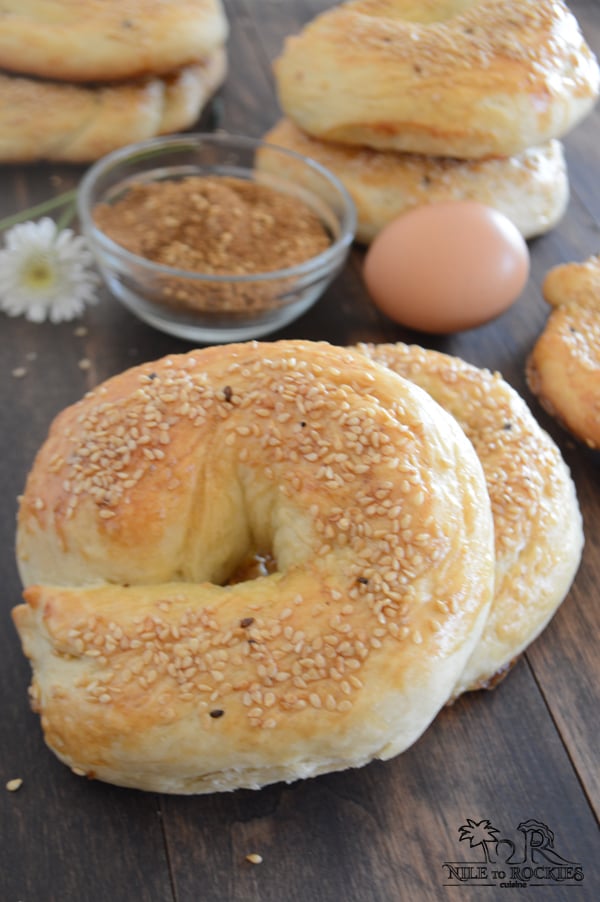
(41, 120)
(531, 189)
(154, 667)
(563, 369)
(106, 40)
(442, 77)
(538, 529)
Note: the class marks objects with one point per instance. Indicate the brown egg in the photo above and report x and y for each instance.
(446, 267)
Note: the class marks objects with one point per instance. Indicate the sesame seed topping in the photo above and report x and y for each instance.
(15, 784)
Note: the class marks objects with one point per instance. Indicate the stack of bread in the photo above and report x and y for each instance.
(415, 530)
(418, 101)
(81, 79)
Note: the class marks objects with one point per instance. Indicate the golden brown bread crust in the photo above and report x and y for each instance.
(151, 671)
(574, 283)
(537, 523)
(464, 78)
(531, 189)
(563, 368)
(105, 40)
(41, 120)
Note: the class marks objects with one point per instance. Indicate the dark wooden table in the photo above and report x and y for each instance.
(527, 750)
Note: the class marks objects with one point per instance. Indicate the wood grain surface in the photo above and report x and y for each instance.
(526, 751)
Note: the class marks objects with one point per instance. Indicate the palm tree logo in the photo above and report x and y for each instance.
(479, 833)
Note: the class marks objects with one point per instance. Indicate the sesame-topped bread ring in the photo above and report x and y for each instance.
(461, 78)
(530, 188)
(537, 523)
(156, 664)
(107, 40)
(78, 123)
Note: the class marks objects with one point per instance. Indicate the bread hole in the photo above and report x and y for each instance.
(254, 566)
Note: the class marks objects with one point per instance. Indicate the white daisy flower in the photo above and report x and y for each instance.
(44, 272)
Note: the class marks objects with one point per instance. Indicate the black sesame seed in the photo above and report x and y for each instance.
(246, 621)
(217, 712)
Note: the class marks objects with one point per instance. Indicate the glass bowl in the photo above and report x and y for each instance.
(200, 306)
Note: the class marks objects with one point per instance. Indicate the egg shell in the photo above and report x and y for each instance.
(446, 267)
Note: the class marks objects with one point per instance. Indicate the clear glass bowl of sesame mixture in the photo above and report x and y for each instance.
(215, 237)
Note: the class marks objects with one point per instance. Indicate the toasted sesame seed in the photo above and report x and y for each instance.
(13, 785)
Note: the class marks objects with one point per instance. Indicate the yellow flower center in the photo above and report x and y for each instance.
(38, 273)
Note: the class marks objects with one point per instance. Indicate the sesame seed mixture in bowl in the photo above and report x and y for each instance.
(193, 236)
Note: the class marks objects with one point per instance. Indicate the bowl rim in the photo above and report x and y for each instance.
(101, 166)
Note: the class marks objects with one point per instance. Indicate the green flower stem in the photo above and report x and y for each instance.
(68, 197)
(67, 216)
